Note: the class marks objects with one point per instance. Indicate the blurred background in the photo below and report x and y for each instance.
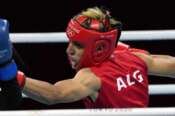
(48, 61)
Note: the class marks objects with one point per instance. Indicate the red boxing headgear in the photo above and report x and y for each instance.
(91, 39)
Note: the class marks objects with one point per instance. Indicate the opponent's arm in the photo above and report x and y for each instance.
(83, 84)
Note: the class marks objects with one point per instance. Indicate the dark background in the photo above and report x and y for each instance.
(48, 62)
(46, 15)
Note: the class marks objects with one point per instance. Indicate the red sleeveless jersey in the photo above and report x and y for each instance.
(124, 82)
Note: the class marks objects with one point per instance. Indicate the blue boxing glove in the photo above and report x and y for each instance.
(8, 68)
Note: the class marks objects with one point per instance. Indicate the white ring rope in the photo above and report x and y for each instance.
(95, 112)
(162, 89)
(61, 37)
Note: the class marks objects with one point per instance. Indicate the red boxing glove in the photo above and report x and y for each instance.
(21, 79)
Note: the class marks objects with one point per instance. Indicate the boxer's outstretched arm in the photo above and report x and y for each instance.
(38, 90)
(85, 83)
(160, 65)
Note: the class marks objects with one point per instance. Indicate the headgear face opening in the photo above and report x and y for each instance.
(91, 40)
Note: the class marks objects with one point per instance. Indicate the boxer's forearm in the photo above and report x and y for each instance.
(39, 90)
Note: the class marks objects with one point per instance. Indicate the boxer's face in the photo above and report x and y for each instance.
(74, 52)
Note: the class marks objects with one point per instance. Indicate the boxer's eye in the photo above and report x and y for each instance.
(78, 44)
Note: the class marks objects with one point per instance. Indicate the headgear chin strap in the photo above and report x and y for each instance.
(91, 40)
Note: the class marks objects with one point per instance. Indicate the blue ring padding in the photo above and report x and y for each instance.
(8, 72)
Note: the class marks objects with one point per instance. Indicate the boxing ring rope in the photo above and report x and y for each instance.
(158, 89)
(61, 37)
(94, 112)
